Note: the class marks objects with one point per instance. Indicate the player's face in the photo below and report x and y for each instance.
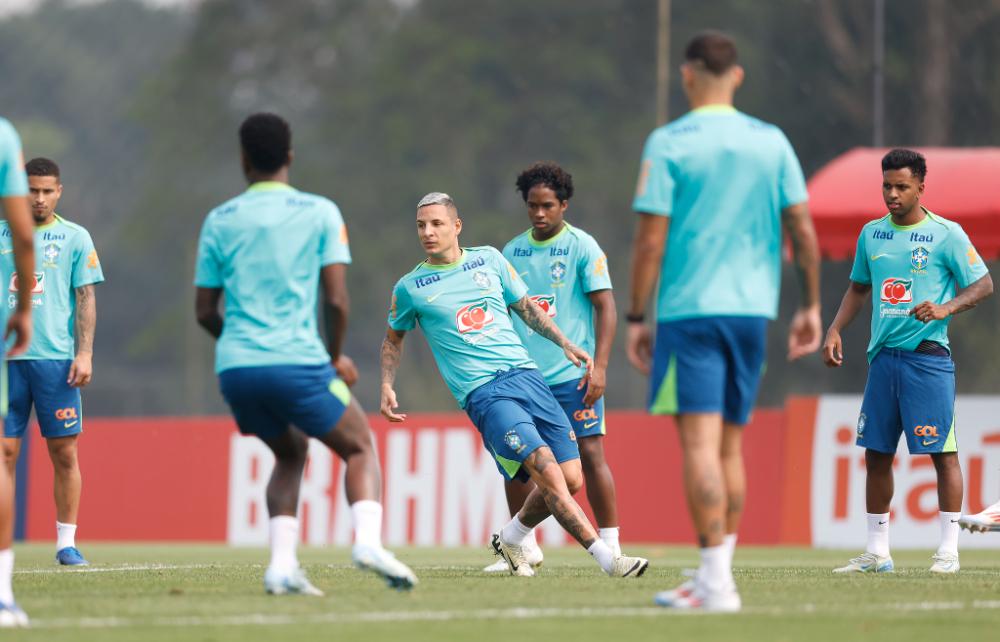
(545, 209)
(45, 192)
(437, 229)
(901, 191)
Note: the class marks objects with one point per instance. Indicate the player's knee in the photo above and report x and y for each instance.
(574, 480)
(63, 455)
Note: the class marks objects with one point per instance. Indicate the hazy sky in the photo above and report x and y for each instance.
(9, 7)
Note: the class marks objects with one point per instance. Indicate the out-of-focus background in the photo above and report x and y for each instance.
(139, 104)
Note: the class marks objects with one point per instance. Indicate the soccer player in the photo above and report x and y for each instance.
(567, 271)
(460, 297)
(721, 183)
(52, 372)
(916, 259)
(13, 193)
(270, 250)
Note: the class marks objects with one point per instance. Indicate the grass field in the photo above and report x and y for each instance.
(195, 593)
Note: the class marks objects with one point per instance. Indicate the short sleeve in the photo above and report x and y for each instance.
(13, 180)
(86, 264)
(962, 258)
(333, 239)
(514, 287)
(654, 192)
(861, 272)
(208, 269)
(402, 316)
(593, 267)
(793, 181)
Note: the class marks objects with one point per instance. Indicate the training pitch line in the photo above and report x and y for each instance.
(258, 619)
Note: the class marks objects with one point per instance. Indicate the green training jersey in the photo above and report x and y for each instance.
(462, 309)
(560, 273)
(905, 267)
(65, 259)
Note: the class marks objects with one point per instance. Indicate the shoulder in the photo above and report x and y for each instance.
(484, 251)
(875, 223)
(7, 132)
(580, 237)
(73, 230)
(222, 211)
(941, 222)
(520, 238)
(307, 199)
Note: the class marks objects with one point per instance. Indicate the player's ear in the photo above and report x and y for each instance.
(245, 161)
(920, 189)
(737, 76)
(291, 157)
(458, 226)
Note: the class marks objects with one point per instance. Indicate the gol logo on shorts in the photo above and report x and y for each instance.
(925, 431)
(585, 414)
(66, 413)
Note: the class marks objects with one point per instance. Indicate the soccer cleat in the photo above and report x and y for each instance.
(868, 563)
(378, 560)
(628, 566)
(988, 520)
(289, 583)
(12, 616)
(515, 556)
(69, 556)
(700, 599)
(534, 558)
(945, 563)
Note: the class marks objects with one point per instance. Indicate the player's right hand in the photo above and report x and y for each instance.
(20, 324)
(389, 404)
(833, 350)
(346, 369)
(639, 346)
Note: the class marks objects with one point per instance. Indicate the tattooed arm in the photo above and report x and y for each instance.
(392, 352)
(82, 369)
(968, 299)
(539, 321)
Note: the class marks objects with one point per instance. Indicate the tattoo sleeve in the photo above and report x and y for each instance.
(392, 351)
(539, 321)
(805, 248)
(971, 296)
(86, 318)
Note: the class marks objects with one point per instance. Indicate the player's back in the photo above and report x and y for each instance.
(723, 178)
(265, 249)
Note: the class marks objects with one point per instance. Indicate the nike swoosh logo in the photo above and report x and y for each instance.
(928, 443)
(954, 521)
(6, 251)
(883, 523)
(70, 425)
(431, 298)
(593, 423)
(879, 256)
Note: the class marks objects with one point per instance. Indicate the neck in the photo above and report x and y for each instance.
(711, 96)
(912, 217)
(451, 255)
(255, 176)
(51, 218)
(545, 236)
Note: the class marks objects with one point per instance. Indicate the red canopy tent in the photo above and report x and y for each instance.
(961, 186)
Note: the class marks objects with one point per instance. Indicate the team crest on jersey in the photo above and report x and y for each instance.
(919, 257)
(513, 440)
(897, 291)
(547, 302)
(558, 271)
(51, 252)
(482, 279)
(37, 287)
(861, 424)
(474, 316)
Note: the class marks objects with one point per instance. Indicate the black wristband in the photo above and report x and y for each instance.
(635, 318)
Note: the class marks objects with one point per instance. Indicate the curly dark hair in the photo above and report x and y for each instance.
(548, 174)
(900, 158)
(267, 138)
(41, 167)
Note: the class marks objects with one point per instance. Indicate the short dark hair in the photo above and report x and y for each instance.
(41, 167)
(714, 49)
(267, 139)
(906, 158)
(548, 174)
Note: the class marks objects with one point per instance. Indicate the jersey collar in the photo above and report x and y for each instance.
(531, 239)
(447, 266)
(268, 186)
(48, 226)
(715, 109)
(907, 228)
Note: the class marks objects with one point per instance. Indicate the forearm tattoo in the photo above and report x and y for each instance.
(86, 318)
(971, 296)
(539, 321)
(390, 356)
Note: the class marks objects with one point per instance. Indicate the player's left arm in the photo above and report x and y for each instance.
(206, 309)
(605, 323)
(539, 321)
(82, 368)
(336, 309)
(647, 254)
(969, 298)
(964, 263)
(806, 331)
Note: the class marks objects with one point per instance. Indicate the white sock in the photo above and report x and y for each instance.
(515, 532)
(530, 541)
(729, 541)
(610, 537)
(65, 536)
(284, 539)
(6, 571)
(603, 554)
(367, 516)
(949, 533)
(878, 534)
(715, 574)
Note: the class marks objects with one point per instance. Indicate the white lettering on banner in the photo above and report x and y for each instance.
(420, 485)
(314, 494)
(838, 476)
(250, 466)
(470, 492)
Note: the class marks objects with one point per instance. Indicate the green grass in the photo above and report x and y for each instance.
(215, 593)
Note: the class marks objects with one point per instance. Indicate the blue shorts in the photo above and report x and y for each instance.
(42, 382)
(266, 400)
(516, 415)
(586, 422)
(708, 365)
(913, 393)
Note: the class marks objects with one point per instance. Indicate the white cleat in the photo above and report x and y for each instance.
(11, 616)
(700, 599)
(289, 583)
(534, 558)
(945, 563)
(515, 556)
(988, 520)
(628, 566)
(378, 560)
(868, 563)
